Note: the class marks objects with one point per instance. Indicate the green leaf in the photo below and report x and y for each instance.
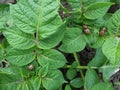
(43, 71)
(98, 42)
(1, 52)
(19, 57)
(52, 40)
(89, 38)
(111, 49)
(4, 43)
(11, 72)
(67, 87)
(35, 22)
(74, 64)
(116, 1)
(4, 14)
(97, 10)
(93, 40)
(35, 83)
(25, 87)
(108, 71)
(77, 83)
(10, 78)
(52, 57)
(73, 41)
(71, 73)
(89, 2)
(36, 15)
(19, 39)
(114, 23)
(99, 22)
(99, 59)
(75, 4)
(16, 78)
(53, 80)
(103, 86)
(91, 78)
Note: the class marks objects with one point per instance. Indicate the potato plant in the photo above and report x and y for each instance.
(36, 40)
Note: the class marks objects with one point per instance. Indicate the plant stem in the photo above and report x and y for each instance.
(77, 60)
(81, 67)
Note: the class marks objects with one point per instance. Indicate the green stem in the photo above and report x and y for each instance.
(63, 8)
(69, 12)
(81, 67)
(77, 60)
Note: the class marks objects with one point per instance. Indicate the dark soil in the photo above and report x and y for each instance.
(116, 78)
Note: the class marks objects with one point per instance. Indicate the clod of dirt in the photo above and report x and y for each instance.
(114, 79)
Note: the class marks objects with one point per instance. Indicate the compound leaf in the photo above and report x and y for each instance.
(38, 22)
